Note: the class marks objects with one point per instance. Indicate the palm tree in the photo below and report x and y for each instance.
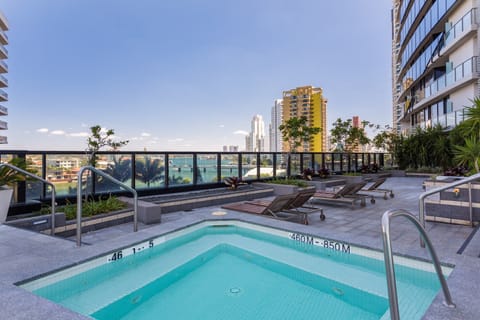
(469, 154)
(149, 171)
(120, 169)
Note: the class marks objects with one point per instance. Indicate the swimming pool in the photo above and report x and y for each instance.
(236, 270)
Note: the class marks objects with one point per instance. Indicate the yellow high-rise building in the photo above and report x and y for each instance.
(307, 101)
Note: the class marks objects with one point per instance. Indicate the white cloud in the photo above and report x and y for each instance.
(242, 132)
(79, 134)
(145, 134)
(84, 125)
(222, 126)
(42, 130)
(175, 140)
(58, 132)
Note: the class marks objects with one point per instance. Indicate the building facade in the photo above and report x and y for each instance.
(256, 138)
(3, 79)
(307, 101)
(435, 64)
(275, 136)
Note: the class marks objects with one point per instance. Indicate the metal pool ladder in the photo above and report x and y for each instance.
(31, 175)
(79, 199)
(390, 268)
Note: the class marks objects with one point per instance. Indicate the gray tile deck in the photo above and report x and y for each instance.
(25, 254)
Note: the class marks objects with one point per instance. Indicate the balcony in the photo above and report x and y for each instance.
(3, 37)
(3, 67)
(3, 82)
(3, 140)
(3, 52)
(3, 95)
(3, 111)
(3, 125)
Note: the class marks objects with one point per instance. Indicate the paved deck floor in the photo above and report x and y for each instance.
(25, 254)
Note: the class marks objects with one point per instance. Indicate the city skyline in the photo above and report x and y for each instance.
(178, 76)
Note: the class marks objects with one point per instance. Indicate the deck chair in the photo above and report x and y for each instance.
(272, 209)
(347, 194)
(297, 206)
(374, 187)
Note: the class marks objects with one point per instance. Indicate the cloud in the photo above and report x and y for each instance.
(79, 134)
(145, 134)
(175, 140)
(42, 130)
(84, 125)
(58, 132)
(222, 126)
(242, 132)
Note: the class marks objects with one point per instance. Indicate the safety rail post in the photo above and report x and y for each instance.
(79, 199)
(421, 199)
(390, 267)
(31, 175)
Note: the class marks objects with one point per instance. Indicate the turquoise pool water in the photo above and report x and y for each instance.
(238, 272)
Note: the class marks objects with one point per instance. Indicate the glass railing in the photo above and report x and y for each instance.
(461, 71)
(4, 50)
(3, 110)
(459, 27)
(163, 172)
(3, 94)
(3, 34)
(448, 120)
(4, 65)
(4, 79)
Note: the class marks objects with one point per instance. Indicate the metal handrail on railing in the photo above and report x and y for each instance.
(390, 267)
(421, 198)
(31, 175)
(79, 199)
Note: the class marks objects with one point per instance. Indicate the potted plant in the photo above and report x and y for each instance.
(8, 178)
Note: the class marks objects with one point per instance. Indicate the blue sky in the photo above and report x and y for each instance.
(187, 74)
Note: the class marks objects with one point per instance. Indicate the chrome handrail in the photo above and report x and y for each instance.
(79, 199)
(421, 198)
(390, 267)
(31, 175)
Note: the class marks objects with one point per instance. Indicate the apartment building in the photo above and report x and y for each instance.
(256, 139)
(3, 79)
(435, 62)
(275, 136)
(307, 101)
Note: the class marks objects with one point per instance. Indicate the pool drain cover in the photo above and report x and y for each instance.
(234, 292)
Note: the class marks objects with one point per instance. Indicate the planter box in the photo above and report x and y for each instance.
(5, 200)
(68, 228)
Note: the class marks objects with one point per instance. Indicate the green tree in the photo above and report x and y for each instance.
(98, 139)
(149, 171)
(296, 131)
(348, 137)
(469, 154)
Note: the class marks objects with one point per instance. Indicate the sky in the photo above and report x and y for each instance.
(171, 75)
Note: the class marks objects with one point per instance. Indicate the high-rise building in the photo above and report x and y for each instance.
(275, 136)
(307, 101)
(435, 62)
(256, 138)
(3, 79)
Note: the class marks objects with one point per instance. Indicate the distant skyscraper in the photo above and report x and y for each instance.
(3, 69)
(257, 134)
(230, 148)
(274, 134)
(435, 64)
(307, 101)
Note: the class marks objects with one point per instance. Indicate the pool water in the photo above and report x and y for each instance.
(238, 272)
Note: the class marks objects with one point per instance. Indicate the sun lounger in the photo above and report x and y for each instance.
(374, 187)
(297, 205)
(272, 209)
(348, 194)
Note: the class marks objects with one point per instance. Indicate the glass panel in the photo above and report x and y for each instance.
(266, 165)
(149, 171)
(307, 161)
(249, 166)
(467, 67)
(317, 162)
(120, 168)
(62, 171)
(281, 168)
(206, 168)
(336, 162)
(229, 165)
(34, 187)
(328, 162)
(295, 165)
(180, 169)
